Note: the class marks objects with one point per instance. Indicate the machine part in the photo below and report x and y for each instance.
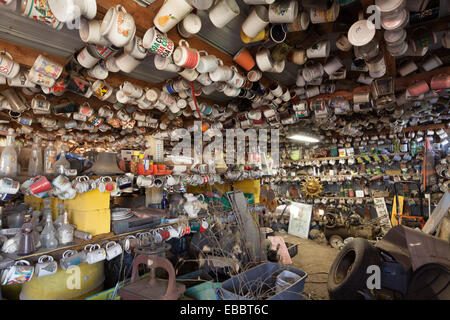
(348, 273)
(154, 288)
(336, 241)
(430, 282)
(153, 248)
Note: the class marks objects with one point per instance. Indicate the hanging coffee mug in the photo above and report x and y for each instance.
(48, 67)
(8, 68)
(40, 105)
(158, 43)
(186, 57)
(19, 273)
(118, 26)
(95, 254)
(46, 266)
(113, 249)
(171, 13)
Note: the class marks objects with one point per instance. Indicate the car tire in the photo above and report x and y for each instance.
(430, 282)
(348, 273)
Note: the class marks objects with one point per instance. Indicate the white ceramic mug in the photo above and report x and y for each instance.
(254, 75)
(264, 59)
(69, 10)
(186, 57)
(90, 32)
(127, 63)
(284, 11)
(158, 43)
(118, 26)
(222, 73)
(223, 12)
(86, 59)
(21, 80)
(332, 65)
(256, 21)
(113, 249)
(190, 25)
(171, 13)
(99, 72)
(189, 74)
(432, 63)
(407, 68)
(165, 64)
(319, 50)
(136, 49)
(312, 70)
(207, 63)
(8, 67)
(40, 79)
(46, 266)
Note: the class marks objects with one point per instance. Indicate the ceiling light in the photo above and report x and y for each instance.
(304, 138)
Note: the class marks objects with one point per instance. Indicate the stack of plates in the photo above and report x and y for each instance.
(120, 214)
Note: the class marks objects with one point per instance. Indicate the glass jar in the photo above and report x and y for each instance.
(49, 159)
(395, 20)
(377, 66)
(35, 165)
(8, 159)
(368, 51)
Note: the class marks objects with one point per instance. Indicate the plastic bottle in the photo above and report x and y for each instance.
(8, 160)
(49, 159)
(35, 165)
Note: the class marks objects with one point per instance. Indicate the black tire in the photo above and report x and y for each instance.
(430, 282)
(348, 273)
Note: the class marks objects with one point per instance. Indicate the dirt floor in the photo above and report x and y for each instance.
(315, 258)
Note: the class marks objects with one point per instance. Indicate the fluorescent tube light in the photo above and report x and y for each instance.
(301, 137)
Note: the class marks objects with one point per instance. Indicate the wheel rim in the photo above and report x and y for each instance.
(344, 266)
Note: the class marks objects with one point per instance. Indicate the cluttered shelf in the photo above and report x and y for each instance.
(80, 244)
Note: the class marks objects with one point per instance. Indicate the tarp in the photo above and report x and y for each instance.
(413, 248)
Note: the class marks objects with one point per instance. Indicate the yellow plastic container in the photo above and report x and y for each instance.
(249, 186)
(34, 202)
(86, 280)
(95, 221)
(92, 200)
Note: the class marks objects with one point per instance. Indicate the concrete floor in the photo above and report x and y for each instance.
(315, 258)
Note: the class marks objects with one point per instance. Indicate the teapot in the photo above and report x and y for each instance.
(192, 204)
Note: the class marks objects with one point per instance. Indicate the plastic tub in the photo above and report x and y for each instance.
(259, 283)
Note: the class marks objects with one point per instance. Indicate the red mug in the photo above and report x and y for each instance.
(40, 184)
(417, 88)
(441, 81)
(165, 234)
